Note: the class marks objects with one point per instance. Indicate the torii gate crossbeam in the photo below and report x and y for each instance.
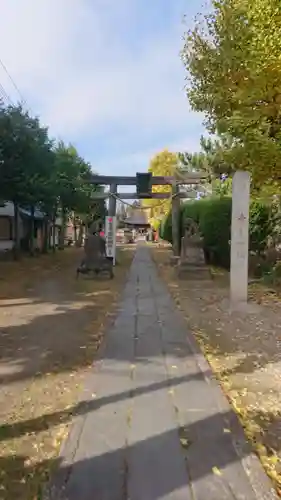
(180, 178)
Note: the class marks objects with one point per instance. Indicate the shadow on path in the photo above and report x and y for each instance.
(48, 420)
(208, 453)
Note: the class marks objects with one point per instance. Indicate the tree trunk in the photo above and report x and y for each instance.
(16, 231)
(54, 234)
(62, 231)
(46, 239)
(32, 229)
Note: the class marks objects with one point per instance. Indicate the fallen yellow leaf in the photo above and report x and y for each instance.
(216, 471)
(185, 442)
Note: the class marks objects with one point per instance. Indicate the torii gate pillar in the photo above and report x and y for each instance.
(176, 220)
(112, 200)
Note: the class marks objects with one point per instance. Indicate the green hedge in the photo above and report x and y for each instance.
(213, 215)
(166, 228)
(261, 225)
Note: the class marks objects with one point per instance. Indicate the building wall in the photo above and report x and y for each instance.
(7, 209)
(7, 238)
(7, 213)
(7, 228)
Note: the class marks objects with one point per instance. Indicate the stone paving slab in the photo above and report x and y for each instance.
(156, 425)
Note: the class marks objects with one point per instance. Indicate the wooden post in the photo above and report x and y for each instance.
(176, 219)
(239, 238)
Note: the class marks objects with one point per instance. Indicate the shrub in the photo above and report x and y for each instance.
(166, 228)
(215, 227)
(260, 226)
(213, 216)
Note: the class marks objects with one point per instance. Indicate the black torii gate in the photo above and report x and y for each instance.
(179, 179)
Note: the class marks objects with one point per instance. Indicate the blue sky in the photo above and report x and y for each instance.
(104, 75)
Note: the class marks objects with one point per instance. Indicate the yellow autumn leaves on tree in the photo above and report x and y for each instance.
(162, 164)
(233, 61)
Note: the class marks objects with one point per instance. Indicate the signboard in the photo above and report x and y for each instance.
(110, 237)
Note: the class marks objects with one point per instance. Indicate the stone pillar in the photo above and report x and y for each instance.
(239, 238)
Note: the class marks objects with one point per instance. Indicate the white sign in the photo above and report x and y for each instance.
(110, 237)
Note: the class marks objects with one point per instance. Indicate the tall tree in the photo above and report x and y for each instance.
(233, 64)
(76, 192)
(215, 157)
(164, 163)
(25, 157)
(35, 174)
(71, 172)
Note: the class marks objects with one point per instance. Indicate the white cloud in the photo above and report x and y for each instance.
(64, 57)
(33, 38)
(141, 89)
(78, 68)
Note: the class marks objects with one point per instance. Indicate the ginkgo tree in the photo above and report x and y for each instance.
(233, 61)
(164, 163)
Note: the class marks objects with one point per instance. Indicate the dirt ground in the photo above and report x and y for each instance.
(244, 351)
(50, 328)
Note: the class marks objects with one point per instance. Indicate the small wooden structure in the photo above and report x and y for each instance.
(137, 221)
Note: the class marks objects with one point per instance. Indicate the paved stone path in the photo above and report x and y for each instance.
(156, 425)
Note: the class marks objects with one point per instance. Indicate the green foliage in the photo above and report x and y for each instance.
(72, 175)
(275, 234)
(222, 188)
(166, 228)
(213, 216)
(272, 275)
(232, 57)
(25, 157)
(212, 158)
(260, 225)
(34, 172)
